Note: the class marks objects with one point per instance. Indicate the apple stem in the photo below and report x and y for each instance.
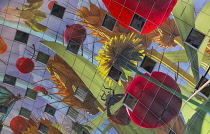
(34, 51)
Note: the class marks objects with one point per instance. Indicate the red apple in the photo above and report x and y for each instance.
(75, 32)
(155, 11)
(3, 46)
(50, 5)
(18, 124)
(155, 106)
(40, 89)
(25, 65)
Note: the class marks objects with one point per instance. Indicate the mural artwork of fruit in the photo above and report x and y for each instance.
(155, 106)
(155, 12)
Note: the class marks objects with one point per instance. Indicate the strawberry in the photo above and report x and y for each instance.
(155, 106)
(154, 11)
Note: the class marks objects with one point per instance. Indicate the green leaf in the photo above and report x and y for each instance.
(36, 26)
(199, 122)
(127, 71)
(176, 56)
(136, 56)
(183, 14)
(204, 28)
(39, 15)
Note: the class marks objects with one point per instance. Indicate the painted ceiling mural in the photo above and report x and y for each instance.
(104, 66)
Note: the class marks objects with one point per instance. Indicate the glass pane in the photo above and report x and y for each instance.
(31, 94)
(3, 109)
(42, 57)
(50, 110)
(114, 74)
(138, 22)
(73, 47)
(44, 129)
(109, 22)
(129, 101)
(58, 11)
(148, 64)
(11, 80)
(25, 113)
(21, 36)
(72, 114)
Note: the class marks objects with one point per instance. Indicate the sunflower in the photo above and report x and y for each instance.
(121, 51)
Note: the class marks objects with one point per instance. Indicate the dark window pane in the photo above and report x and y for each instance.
(148, 64)
(195, 38)
(42, 128)
(109, 22)
(58, 11)
(206, 90)
(137, 22)
(80, 93)
(21, 36)
(171, 132)
(114, 74)
(42, 57)
(73, 47)
(31, 94)
(50, 110)
(72, 113)
(8, 79)
(25, 113)
(129, 101)
(3, 109)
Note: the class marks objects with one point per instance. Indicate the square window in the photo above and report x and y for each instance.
(72, 113)
(8, 79)
(43, 129)
(148, 64)
(25, 113)
(50, 110)
(58, 11)
(84, 132)
(114, 74)
(138, 22)
(73, 47)
(109, 22)
(21, 37)
(171, 132)
(42, 57)
(195, 38)
(129, 102)
(80, 93)
(31, 94)
(201, 82)
(3, 109)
